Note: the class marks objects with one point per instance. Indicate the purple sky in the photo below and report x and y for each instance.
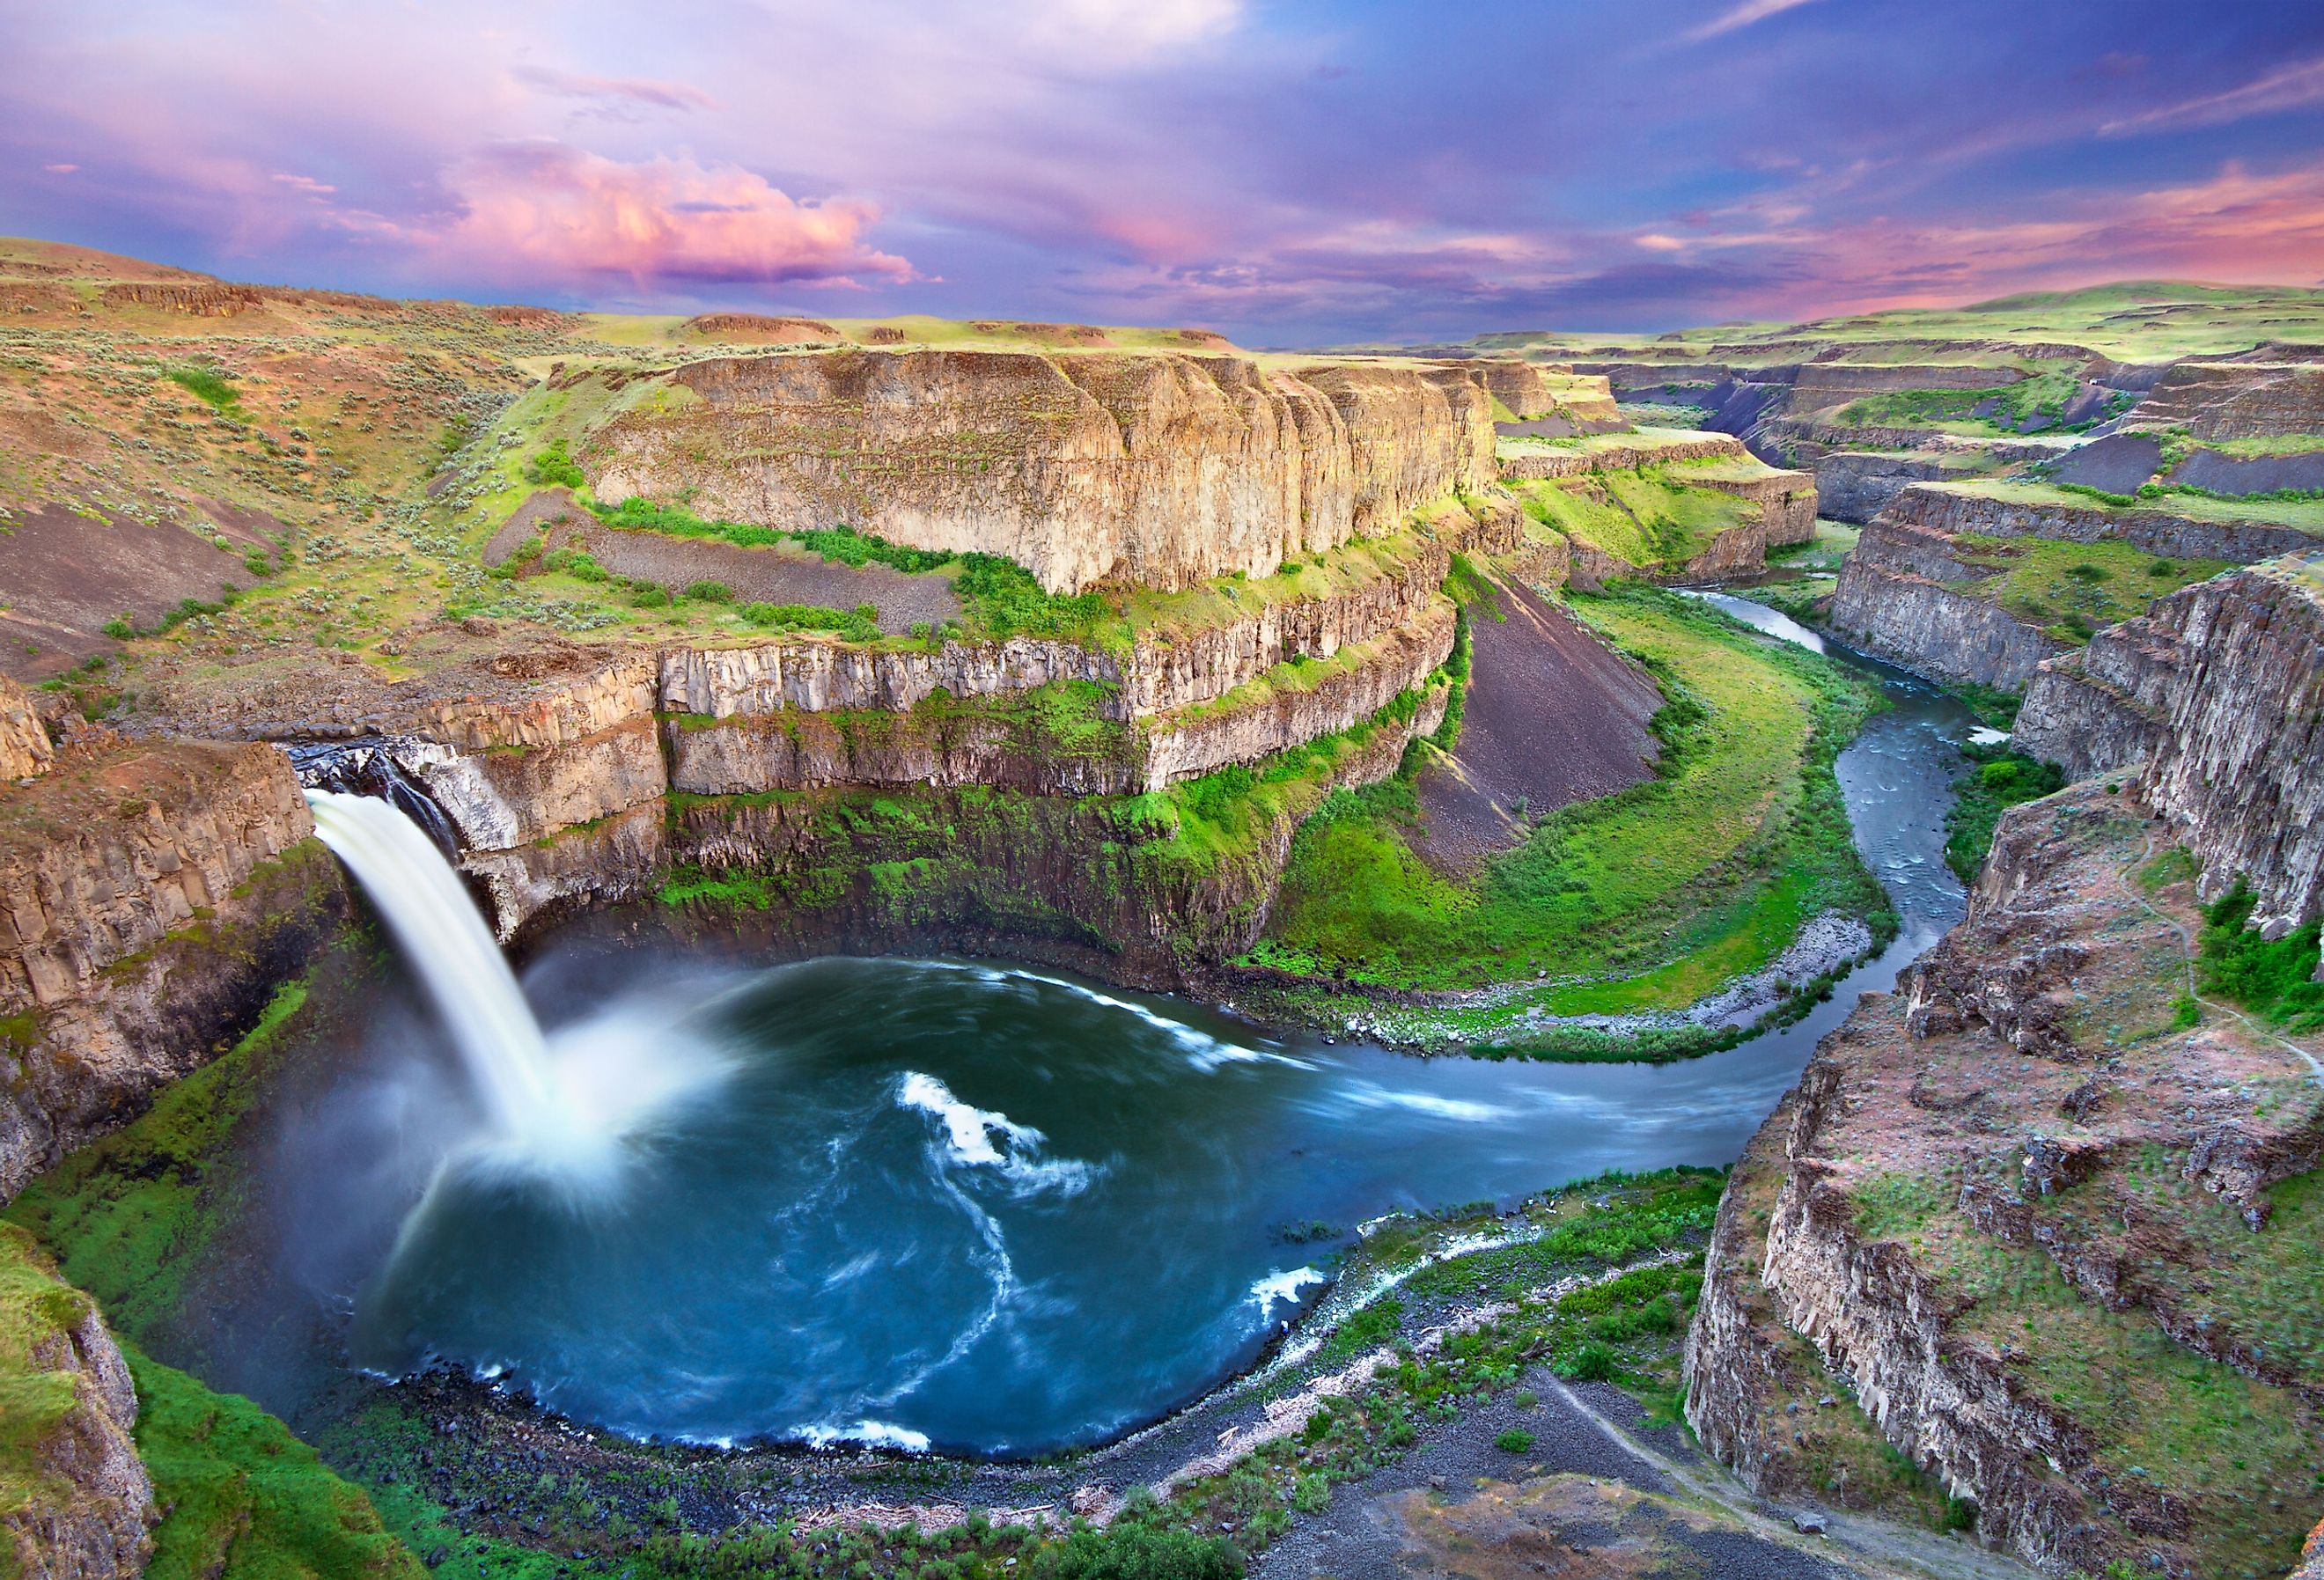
(1288, 172)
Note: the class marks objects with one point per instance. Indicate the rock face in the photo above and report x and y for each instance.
(1902, 595)
(87, 1500)
(155, 893)
(1528, 465)
(2218, 689)
(1160, 470)
(1905, 595)
(2235, 400)
(1856, 486)
(24, 749)
(2008, 1186)
(1958, 510)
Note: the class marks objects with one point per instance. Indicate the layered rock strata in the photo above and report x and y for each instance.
(1856, 486)
(2005, 1191)
(1519, 464)
(1970, 509)
(1158, 470)
(2235, 400)
(155, 894)
(1906, 595)
(2215, 693)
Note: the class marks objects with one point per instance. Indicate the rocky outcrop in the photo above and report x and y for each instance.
(1820, 385)
(1903, 597)
(1951, 1221)
(1524, 464)
(24, 750)
(83, 1500)
(1786, 499)
(1957, 510)
(1855, 485)
(2235, 400)
(2218, 688)
(1162, 470)
(155, 894)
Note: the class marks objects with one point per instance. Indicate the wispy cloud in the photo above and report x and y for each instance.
(1740, 15)
(640, 90)
(2288, 87)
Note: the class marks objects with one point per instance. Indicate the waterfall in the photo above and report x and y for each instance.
(440, 932)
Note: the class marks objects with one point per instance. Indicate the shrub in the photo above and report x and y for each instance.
(1515, 1440)
(555, 466)
(710, 592)
(1135, 1552)
(1593, 1361)
(2273, 979)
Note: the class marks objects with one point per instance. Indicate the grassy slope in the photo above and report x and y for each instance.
(2069, 590)
(2131, 320)
(36, 1311)
(1650, 517)
(2305, 514)
(129, 1218)
(1668, 888)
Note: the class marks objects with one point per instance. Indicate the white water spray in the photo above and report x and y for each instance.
(563, 1105)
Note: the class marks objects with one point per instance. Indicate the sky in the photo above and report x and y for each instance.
(1290, 173)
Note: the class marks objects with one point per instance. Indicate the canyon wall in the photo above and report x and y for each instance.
(1908, 594)
(155, 893)
(2218, 693)
(1521, 464)
(2040, 1099)
(1903, 596)
(1158, 470)
(2002, 1191)
(2157, 531)
(2235, 400)
(1856, 486)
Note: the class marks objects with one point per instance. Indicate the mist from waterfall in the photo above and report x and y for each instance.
(558, 1105)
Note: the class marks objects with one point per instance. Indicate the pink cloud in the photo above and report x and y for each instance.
(543, 211)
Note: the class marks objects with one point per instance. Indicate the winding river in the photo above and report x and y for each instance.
(985, 1209)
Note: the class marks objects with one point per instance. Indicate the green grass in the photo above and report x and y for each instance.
(210, 386)
(2274, 980)
(37, 1311)
(2043, 395)
(999, 597)
(1703, 871)
(2070, 590)
(1651, 518)
(245, 1500)
(2303, 514)
(2000, 780)
(129, 1216)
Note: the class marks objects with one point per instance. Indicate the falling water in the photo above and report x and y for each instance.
(440, 932)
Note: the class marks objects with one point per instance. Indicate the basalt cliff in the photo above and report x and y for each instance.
(2034, 1217)
(1157, 470)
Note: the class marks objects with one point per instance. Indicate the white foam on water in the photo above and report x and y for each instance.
(971, 1132)
(1203, 1051)
(1283, 1287)
(1371, 1094)
(870, 1434)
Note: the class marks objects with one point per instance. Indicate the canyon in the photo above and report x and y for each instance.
(774, 638)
